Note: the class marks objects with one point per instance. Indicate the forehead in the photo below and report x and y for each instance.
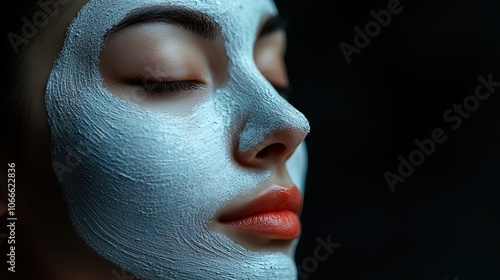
(238, 20)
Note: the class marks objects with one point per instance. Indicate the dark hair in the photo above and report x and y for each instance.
(27, 19)
(13, 116)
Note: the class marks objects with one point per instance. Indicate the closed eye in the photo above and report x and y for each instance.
(169, 87)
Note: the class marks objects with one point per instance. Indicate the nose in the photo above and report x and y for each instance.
(271, 135)
(274, 150)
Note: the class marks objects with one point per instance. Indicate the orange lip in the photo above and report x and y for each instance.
(274, 213)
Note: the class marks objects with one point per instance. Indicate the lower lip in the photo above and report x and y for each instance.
(279, 224)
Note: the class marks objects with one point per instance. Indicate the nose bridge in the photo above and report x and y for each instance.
(268, 114)
(269, 117)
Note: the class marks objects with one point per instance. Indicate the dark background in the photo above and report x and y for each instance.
(443, 221)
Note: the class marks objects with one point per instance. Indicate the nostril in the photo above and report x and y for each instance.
(275, 149)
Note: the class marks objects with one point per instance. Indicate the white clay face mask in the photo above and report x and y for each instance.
(147, 183)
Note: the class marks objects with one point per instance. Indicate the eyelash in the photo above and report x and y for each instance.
(175, 86)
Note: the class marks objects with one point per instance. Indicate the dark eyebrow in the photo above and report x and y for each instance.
(272, 24)
(194, 21)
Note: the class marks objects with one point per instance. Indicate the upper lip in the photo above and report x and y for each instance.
(273, 199)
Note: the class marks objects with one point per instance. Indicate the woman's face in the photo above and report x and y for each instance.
(171, 143)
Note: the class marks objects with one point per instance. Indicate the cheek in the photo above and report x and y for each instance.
(122, 145)
(135, 171)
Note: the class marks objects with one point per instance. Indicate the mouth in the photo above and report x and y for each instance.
(274, 214)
